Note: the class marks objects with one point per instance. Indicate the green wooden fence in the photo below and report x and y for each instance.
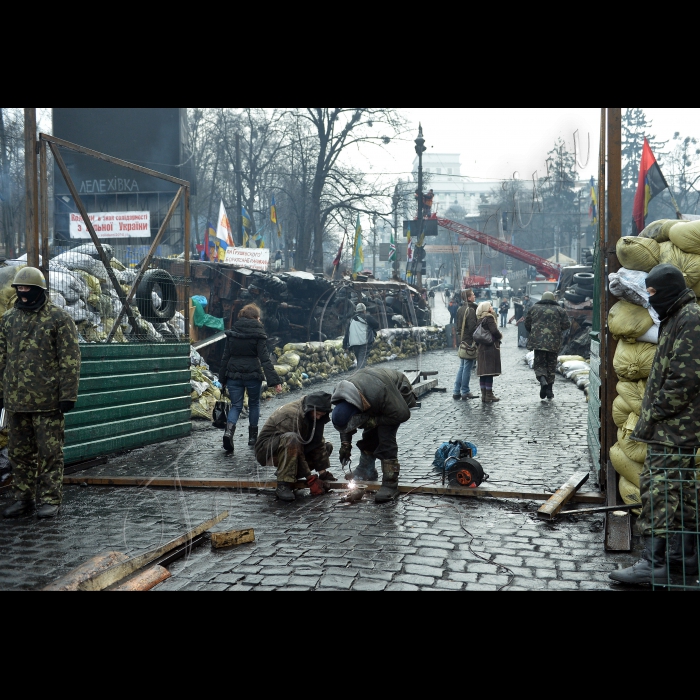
(130, 395)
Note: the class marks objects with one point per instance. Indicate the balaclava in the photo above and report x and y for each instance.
(36, 297)
(669, 284)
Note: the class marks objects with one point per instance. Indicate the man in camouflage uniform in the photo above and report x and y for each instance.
(292, 440)
(669, 424)
(40, 369)
(546, 322)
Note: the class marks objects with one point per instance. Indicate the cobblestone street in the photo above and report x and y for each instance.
(420, 542)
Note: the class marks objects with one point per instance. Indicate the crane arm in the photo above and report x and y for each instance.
(543, 267)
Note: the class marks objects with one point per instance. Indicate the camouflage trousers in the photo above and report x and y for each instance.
(35, 450)
(290, 457)
(668, 487)
(545, 365)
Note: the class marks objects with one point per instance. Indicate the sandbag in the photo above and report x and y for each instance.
(8, 297)
(570, 358)
(630, 494)
(290, 358)
(81, 261)
(628, 322)
(686, 236)
(636, 253)
(632, 394)
(636, 451)
(631, 423)
(295, 347)
(651, 336)
(620, 411)
(687, 263)
(572, 365)
(92, 282)
(282, 370)
(624, 466)
(633, 361)
(658, 230)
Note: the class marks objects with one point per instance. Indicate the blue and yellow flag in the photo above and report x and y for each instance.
(273, 212)
(593, 211)
(246, 226)
(358, 254)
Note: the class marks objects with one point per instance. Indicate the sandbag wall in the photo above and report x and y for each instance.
(635, 325)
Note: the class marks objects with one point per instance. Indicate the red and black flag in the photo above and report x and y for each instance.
(336, 262)
(651, 183)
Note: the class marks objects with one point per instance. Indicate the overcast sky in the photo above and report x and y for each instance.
(496, 142)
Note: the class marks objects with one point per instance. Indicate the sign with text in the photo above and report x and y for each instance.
(122, 224)
(251, 258)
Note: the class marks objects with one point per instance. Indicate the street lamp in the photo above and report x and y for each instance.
(395, 201)
(420, 150)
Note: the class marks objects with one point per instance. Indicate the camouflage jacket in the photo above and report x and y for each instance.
(546, 322)
(39, 359)
(671, 405)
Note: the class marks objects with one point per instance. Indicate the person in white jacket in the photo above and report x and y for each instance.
(359, 333)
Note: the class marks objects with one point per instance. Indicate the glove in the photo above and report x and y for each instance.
(345, 452)
(318, 487)
(66, 406)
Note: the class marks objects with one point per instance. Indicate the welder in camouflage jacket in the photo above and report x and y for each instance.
(40, 369)
(292, 440)
(670, 424)
(546, 322)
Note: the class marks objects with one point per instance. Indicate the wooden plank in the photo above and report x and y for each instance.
(144, 580)
(562, 496)
(231, 538)
(602, 509)
(91, 567)
(120, 571)
(424, 388)
(90, 385)
(185, 483)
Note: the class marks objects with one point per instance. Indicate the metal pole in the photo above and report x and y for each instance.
(187, 261)
(602, 321)
(44, 200)
(374, 246)
(30, 187)
(396, 230)
(239, 192)
(420, 149)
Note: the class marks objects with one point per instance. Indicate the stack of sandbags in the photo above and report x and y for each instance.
(302, 364)
(576, 369)
(659, 230)
(683, 251)
(636, 253)
(206, 391)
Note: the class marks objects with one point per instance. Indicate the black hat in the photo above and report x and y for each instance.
(320, 401)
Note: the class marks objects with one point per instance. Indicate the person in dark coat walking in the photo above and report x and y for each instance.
(245, 359)
(670, 425)
(503, 310)
(488, 364)
(466, 325)
(453, 307)
(378, 401)
(546, 322)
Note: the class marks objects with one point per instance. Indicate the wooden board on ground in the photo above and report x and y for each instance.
(562, 496)
(231, 538)
(593, 498)
(144, 580)
(91, 567)
(424, 388)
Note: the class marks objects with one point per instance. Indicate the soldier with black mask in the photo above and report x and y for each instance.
(669, 425)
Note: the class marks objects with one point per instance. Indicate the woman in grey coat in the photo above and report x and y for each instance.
(489, 356)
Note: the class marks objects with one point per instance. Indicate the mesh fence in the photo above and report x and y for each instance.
(670, 496)
(94, 291)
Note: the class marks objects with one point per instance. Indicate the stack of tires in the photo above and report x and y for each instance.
(582, 288)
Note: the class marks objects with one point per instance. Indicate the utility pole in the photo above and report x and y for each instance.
(239, 192)
(30, 187)
(419, 254)
(374, 246)
(395, 202)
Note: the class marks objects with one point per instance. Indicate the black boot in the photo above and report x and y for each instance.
(390, 481)
(543, 387)
(652, 565)
(252, 436)
(550, 391)
(284, 492)
(47, 510)
(228, 436)
(683, 548)
(18, 509)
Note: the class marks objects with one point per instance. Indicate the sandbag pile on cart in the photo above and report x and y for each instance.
(80, 284)
(206, 389)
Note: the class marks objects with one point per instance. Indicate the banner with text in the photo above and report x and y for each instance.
(122, 224)
(251, 258)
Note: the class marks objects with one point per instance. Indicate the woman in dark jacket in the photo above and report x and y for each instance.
(245, 358)
(489, 356)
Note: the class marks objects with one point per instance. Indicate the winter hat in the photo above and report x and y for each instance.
(318, 402)
(342, 413)
(669, 284)
(548, 296)
(360, 308)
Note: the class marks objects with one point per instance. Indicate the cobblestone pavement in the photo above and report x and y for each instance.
(419, 542)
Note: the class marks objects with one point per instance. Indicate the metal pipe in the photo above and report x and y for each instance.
(30, 188)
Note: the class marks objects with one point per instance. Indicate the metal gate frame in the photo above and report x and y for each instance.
(183, 193)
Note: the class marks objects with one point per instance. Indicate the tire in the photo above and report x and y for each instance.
(583, 291)
(584, 279)
(144, 300)
(570, 295)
